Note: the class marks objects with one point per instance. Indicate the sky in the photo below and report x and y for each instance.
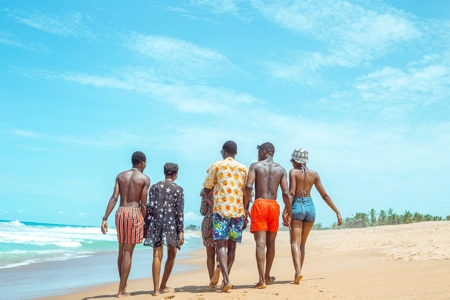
(363, 85)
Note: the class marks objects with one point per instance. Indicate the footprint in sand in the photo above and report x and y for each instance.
(169, 297)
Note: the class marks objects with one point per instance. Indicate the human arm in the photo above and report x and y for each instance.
(144, 196)
(210, 179)
(150, 208)
(204, 204)
(111, 204)
(179, 216)
(327, 198)
(287, 199)
(251, 177)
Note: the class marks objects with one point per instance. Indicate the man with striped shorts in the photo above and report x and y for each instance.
(132, 187)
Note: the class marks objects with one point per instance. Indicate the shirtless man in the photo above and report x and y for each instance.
(132, 186)
(301, 180)
(267, 175)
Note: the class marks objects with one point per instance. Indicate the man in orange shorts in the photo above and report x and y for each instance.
(132, 187)
(267, 176)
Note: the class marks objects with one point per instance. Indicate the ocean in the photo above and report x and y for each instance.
(38, 259)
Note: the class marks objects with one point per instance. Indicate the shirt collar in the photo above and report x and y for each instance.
(229, 158)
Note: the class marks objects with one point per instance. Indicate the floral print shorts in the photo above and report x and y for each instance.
(228, 228)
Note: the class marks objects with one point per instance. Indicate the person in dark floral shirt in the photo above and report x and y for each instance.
(164, 224)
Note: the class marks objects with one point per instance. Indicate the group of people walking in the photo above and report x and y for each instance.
(226, 197)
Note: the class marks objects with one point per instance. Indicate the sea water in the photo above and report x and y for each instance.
(39, 260)
(24, 243)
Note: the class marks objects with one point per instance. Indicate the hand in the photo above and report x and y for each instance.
(247, 214)
(104, 227)
(286, 218)
(245, 224)
(338, 215)
(181, 242)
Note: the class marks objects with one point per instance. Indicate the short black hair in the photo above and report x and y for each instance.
(138, 157)
(170, 168)
(230, 147)
(268, 147)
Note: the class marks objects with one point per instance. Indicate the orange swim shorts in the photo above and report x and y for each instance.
(129, 225)
(265, 215)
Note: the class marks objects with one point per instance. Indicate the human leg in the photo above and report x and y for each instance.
(270, 255)
(296, 237)
(171, 254)
(307, 226)
(125, 269)
(231, 254)
(210, 260)
(222, 246)
(260, 239)
(120, 259)
(156, 268)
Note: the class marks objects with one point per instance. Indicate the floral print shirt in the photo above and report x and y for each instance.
(165, 214)
(228, 178)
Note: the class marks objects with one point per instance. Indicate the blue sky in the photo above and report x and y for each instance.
(363, 85)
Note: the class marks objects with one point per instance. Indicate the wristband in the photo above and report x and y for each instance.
(105, 219)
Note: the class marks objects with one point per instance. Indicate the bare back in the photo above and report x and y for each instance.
(301, 183)
(133, 187)
(268, 176)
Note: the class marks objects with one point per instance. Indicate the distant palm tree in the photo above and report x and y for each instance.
(382, 217)
(417, 217)
(407, 217)
(373, 217)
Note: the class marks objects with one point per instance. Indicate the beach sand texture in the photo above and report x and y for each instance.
(387, 262)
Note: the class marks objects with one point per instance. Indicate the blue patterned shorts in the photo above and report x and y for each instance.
(228, 228)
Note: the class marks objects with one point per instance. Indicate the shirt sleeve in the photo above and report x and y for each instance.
(150, 208)
(179, 211)
(210, 177)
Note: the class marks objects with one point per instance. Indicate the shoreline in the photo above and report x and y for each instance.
(390, 262)
(56, 278)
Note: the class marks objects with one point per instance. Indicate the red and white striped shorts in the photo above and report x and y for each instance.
(129, 225)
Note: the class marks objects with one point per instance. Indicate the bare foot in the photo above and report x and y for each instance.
(215, 278)
(271, 280)
(155, 293)
(226, 287)
(260, 285)
(123, 295)
(165, 289)
(297, 279)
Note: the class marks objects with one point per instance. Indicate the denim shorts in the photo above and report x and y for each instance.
(303, 209)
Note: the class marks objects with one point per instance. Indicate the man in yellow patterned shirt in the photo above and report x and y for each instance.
(228, 178)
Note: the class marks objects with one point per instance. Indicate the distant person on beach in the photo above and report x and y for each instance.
(301, 180)
(267, 176)
(207, 211)
(164, 224)
(132, 186)
(228, 178)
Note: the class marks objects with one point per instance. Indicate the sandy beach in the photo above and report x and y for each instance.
(387, 262)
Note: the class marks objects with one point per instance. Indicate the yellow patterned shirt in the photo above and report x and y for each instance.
(228, 177)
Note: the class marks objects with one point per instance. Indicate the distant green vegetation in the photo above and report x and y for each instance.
(389, 217)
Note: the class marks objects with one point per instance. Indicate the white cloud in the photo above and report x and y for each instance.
(180, 58)
(395, 90)
(183, 97)
(350, 33)
(69, 24)
(22, 133)
(82, 215)
(192, 218)
(20, 211)
(9, 39)
(61, 212)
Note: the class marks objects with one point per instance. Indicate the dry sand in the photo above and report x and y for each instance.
(388, 262)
